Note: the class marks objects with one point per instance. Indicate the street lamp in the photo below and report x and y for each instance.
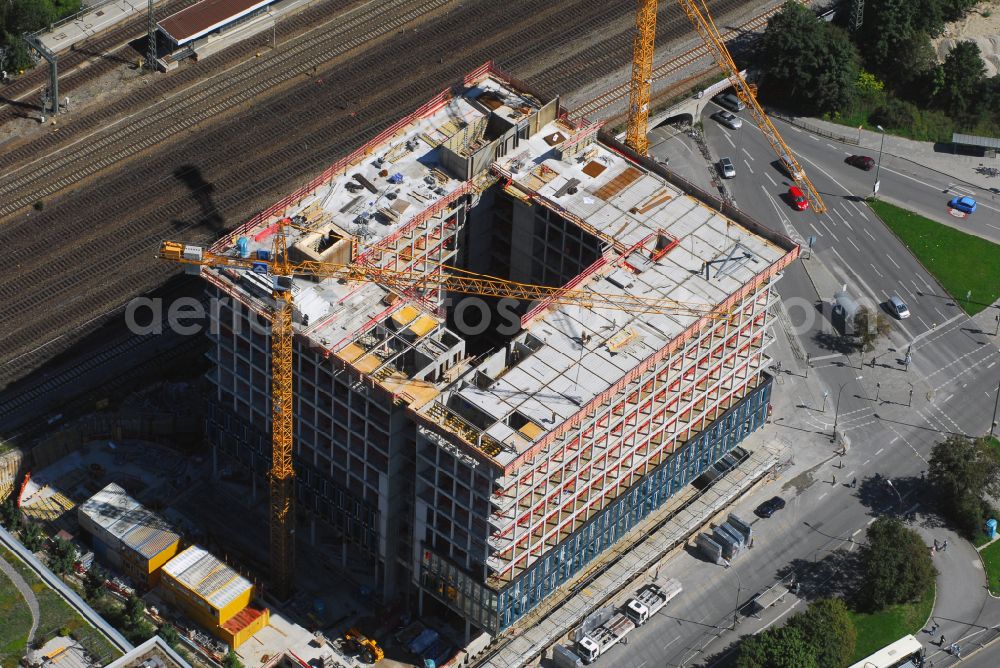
(739, 590)
(893, 487)
(878, 166)
(996, 401)
(836, 413)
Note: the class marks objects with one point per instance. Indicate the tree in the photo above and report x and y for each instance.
(230, 660)
(169, 635)
(135, 610)
(9, 514)
(960, 82)
(963, 472)
(809, 65)
(782, 647)
(61, 555)
(869, 326)
(31, 536)
(896, 563)
(93, 582)
(827, 628)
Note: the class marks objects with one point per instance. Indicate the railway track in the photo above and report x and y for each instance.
(70, 270)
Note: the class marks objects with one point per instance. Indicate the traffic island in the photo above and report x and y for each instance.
(964, 264)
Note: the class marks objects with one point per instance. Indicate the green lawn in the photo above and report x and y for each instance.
(991, 557)
(57, 616)
(877, 630)
(961, 262)
(16, 623)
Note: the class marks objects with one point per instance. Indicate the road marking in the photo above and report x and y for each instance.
(950, 396)
(879, 451)
(849, 474)
(868, 233)
(822, 495)
(855, 533)
(870, 522)
(893, 261)
(748, 154)
(671, 642)
(880, 275)
(642, 664)
(892, 441)
(831, 146)
(773, 182)
(827, 228)
(818, 233)
(991, 365)
(728, 139)
(856, 247)
(795, 128)
(839, 215)
(865, 463)
(813, 138)
(748, 165)
(924, 323)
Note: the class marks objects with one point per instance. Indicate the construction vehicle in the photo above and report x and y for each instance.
(604, 637)
(367, 649)
(651, 600)
(643, 48)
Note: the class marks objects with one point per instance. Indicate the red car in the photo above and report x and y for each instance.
(799, 200)
(861, 162)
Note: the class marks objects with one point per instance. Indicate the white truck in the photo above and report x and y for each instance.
(636, 612)
(651, 600)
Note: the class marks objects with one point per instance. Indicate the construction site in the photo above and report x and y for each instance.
(476, 464)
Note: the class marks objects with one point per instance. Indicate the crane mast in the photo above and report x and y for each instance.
(643, 46)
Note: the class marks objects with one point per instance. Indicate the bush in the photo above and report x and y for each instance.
(895, 113)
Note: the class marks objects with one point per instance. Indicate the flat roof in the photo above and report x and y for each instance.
(635, 212)
(154, 653)
(126, 519)
(975, 140)
(202, 573)
(205, 16)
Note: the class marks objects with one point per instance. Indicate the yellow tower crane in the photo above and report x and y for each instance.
(282, 270)
(642, 69)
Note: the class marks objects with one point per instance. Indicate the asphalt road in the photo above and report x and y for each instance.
(953, 375)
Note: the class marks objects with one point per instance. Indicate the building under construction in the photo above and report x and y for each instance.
(482, 451)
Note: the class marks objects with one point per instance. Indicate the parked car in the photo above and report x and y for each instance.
(861, 162)
(730, 102)
(798, 199)
(727, 168)
(729, 120)
(898, 307)
(965, 204)
(770, 507)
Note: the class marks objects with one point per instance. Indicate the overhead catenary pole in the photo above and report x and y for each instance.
(53, 62)
(151, 43)
(878, 166)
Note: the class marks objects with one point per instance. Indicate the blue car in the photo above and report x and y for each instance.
(963, 204)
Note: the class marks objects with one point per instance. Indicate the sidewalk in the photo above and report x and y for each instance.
(957, 167)
(961, 595)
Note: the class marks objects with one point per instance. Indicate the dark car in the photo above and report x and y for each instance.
(770, 507)
(861, 162)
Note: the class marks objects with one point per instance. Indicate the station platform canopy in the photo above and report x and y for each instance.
(976, 140)
(206, 16)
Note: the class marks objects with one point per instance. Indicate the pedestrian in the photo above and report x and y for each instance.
(934, 628)
(944, 545)
(941, 642)
(935, 547)
(854, 483)
(834, 480)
